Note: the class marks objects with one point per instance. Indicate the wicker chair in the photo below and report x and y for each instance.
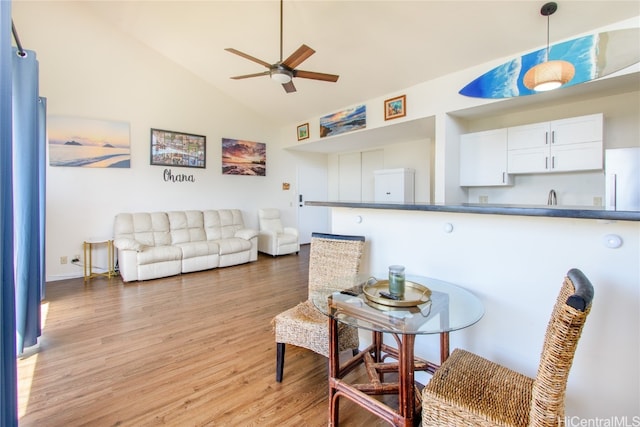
(331, 257)
(468, 390)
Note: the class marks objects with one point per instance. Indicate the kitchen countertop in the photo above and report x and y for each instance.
(582, 212)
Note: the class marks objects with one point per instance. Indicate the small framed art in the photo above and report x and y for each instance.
(169, 148)
(395, 107)
(303, 131)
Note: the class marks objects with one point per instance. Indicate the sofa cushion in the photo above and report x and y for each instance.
(232, 245)
(196, 249)
(149, 229)
(186, 226)
(222, 223)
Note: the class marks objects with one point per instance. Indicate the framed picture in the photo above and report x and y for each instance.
(88, 143)
(241, 157)
(303, 131)
(343, 121)
(169, 148)
(395, 107)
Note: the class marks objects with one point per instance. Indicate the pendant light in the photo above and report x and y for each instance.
(549, 75)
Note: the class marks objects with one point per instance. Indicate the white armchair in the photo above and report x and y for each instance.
(273, 238)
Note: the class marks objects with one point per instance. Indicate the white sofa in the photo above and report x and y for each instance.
(160, 244)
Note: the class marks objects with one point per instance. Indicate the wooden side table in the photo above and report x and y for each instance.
(87, 248)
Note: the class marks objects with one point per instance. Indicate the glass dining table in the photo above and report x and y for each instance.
(430, 306)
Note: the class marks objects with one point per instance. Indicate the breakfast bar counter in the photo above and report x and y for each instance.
(582, 212)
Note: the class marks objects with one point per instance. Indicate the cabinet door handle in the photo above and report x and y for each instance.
(503, 177)
(546, 138)
(553, 136)
(553, 162)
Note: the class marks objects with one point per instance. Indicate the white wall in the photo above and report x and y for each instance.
(516, 265)
(87, 69)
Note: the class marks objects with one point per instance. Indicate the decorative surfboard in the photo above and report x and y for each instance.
(593, 56)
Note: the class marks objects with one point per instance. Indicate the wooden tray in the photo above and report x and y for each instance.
(414, 294)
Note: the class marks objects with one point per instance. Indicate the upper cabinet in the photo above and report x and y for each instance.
(558, 146)
(483, 159)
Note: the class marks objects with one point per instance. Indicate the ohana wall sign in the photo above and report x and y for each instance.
(169, 176)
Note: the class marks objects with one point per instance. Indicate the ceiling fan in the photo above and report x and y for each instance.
(284, 71)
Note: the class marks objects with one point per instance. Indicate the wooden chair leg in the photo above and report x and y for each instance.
(279, 361)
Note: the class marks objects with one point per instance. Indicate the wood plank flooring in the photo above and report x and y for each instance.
(189, 350)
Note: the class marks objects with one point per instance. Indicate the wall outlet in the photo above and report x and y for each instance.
(483, 199)
(597, 201)
(63, 260)
(76, 258)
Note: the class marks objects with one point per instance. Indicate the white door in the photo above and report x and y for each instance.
(371, 161)
(349, 176)
(312, 185)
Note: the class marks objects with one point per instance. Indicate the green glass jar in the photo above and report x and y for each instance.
(396, 280)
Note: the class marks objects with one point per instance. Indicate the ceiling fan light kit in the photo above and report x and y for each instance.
(281, 76)
(549, 75)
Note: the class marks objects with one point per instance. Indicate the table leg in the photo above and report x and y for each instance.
(334, 371)
(444, 347)
(406, 382)
(84, 257)
(110, 259)
(376, 338)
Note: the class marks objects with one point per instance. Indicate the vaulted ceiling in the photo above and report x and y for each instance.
(377, 47)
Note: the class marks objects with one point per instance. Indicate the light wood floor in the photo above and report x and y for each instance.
(189, 350)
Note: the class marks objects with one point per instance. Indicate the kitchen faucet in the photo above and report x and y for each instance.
(553, 199)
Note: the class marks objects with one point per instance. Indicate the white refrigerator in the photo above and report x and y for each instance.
(622, 179)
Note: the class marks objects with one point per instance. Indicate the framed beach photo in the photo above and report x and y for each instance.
(344, 121)
(303, 131)
(395, 107)
(169, 148)
(88, 143)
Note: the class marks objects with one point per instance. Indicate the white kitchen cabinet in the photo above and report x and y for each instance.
(558, 146)
(483, 159)
(394, 185)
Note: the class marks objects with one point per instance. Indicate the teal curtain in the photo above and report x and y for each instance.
(8, 370)
(22, 217)
(26, 197)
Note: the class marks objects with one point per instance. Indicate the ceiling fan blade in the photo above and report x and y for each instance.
(249, 57)
(289, 87)
(297, 57)
(246, 76)
(315, 76)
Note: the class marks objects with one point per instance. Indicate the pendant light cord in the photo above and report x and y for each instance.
(548, 24)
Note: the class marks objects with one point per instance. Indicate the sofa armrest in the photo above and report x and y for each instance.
(246, 233)
(291, 230)
(126, 244)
